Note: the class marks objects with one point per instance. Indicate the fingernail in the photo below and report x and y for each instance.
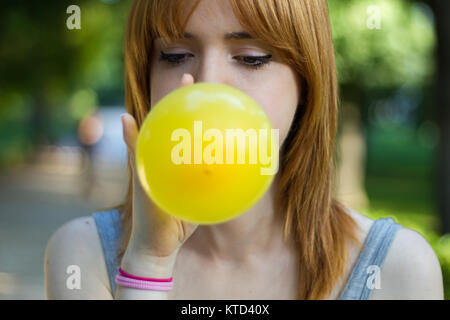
(185, 77)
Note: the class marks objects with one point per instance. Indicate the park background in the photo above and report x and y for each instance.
(61, 95)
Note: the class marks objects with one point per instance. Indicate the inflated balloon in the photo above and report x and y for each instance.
(206, 153)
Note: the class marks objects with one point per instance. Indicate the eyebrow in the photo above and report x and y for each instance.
(239, 35)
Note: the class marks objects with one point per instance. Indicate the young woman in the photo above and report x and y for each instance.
(297, 242)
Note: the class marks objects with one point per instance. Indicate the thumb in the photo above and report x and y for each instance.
(186, 80)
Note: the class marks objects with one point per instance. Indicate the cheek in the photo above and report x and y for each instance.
(280, 113)
(162, 80)
(160, 86)
(279, 99)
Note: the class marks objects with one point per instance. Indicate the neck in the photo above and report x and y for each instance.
(255, 233)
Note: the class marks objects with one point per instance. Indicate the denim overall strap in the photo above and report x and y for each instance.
(364, 275)
(108, 226)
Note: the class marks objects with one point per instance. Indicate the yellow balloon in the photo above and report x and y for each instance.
(206, 153)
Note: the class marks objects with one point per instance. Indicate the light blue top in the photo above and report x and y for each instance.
(359, 285)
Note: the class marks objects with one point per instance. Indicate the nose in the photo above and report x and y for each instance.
(212, 68)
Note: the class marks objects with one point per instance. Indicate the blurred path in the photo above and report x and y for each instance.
(34, 201)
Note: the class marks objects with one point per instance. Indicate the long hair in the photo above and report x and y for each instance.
(300, 31)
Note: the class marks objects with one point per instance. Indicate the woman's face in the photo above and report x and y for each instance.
(217, 49)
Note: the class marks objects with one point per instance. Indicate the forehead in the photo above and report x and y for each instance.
(210, 16)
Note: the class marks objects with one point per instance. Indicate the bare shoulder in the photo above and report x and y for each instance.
(411, 269)
(74, 265)
(363, 222)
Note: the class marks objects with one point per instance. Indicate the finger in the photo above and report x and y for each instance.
(130, 132)
(129, 126)
(186, 80)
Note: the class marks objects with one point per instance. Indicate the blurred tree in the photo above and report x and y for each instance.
(442, 12)
(50, 76)
(384, 54)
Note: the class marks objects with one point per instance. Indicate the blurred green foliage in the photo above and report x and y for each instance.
(50, 76)
(387, 71)
(399, 53)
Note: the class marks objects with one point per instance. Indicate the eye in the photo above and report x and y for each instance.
(174, 58)
(254, 62)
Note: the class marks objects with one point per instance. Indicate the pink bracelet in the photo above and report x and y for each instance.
(143, 285)
(128, 280)
(142, 278)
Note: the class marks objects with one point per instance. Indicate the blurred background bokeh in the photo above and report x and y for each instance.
(61, 95)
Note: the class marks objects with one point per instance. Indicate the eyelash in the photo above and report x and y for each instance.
(262, 60)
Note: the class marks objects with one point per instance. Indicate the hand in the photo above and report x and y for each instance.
(154, 232)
